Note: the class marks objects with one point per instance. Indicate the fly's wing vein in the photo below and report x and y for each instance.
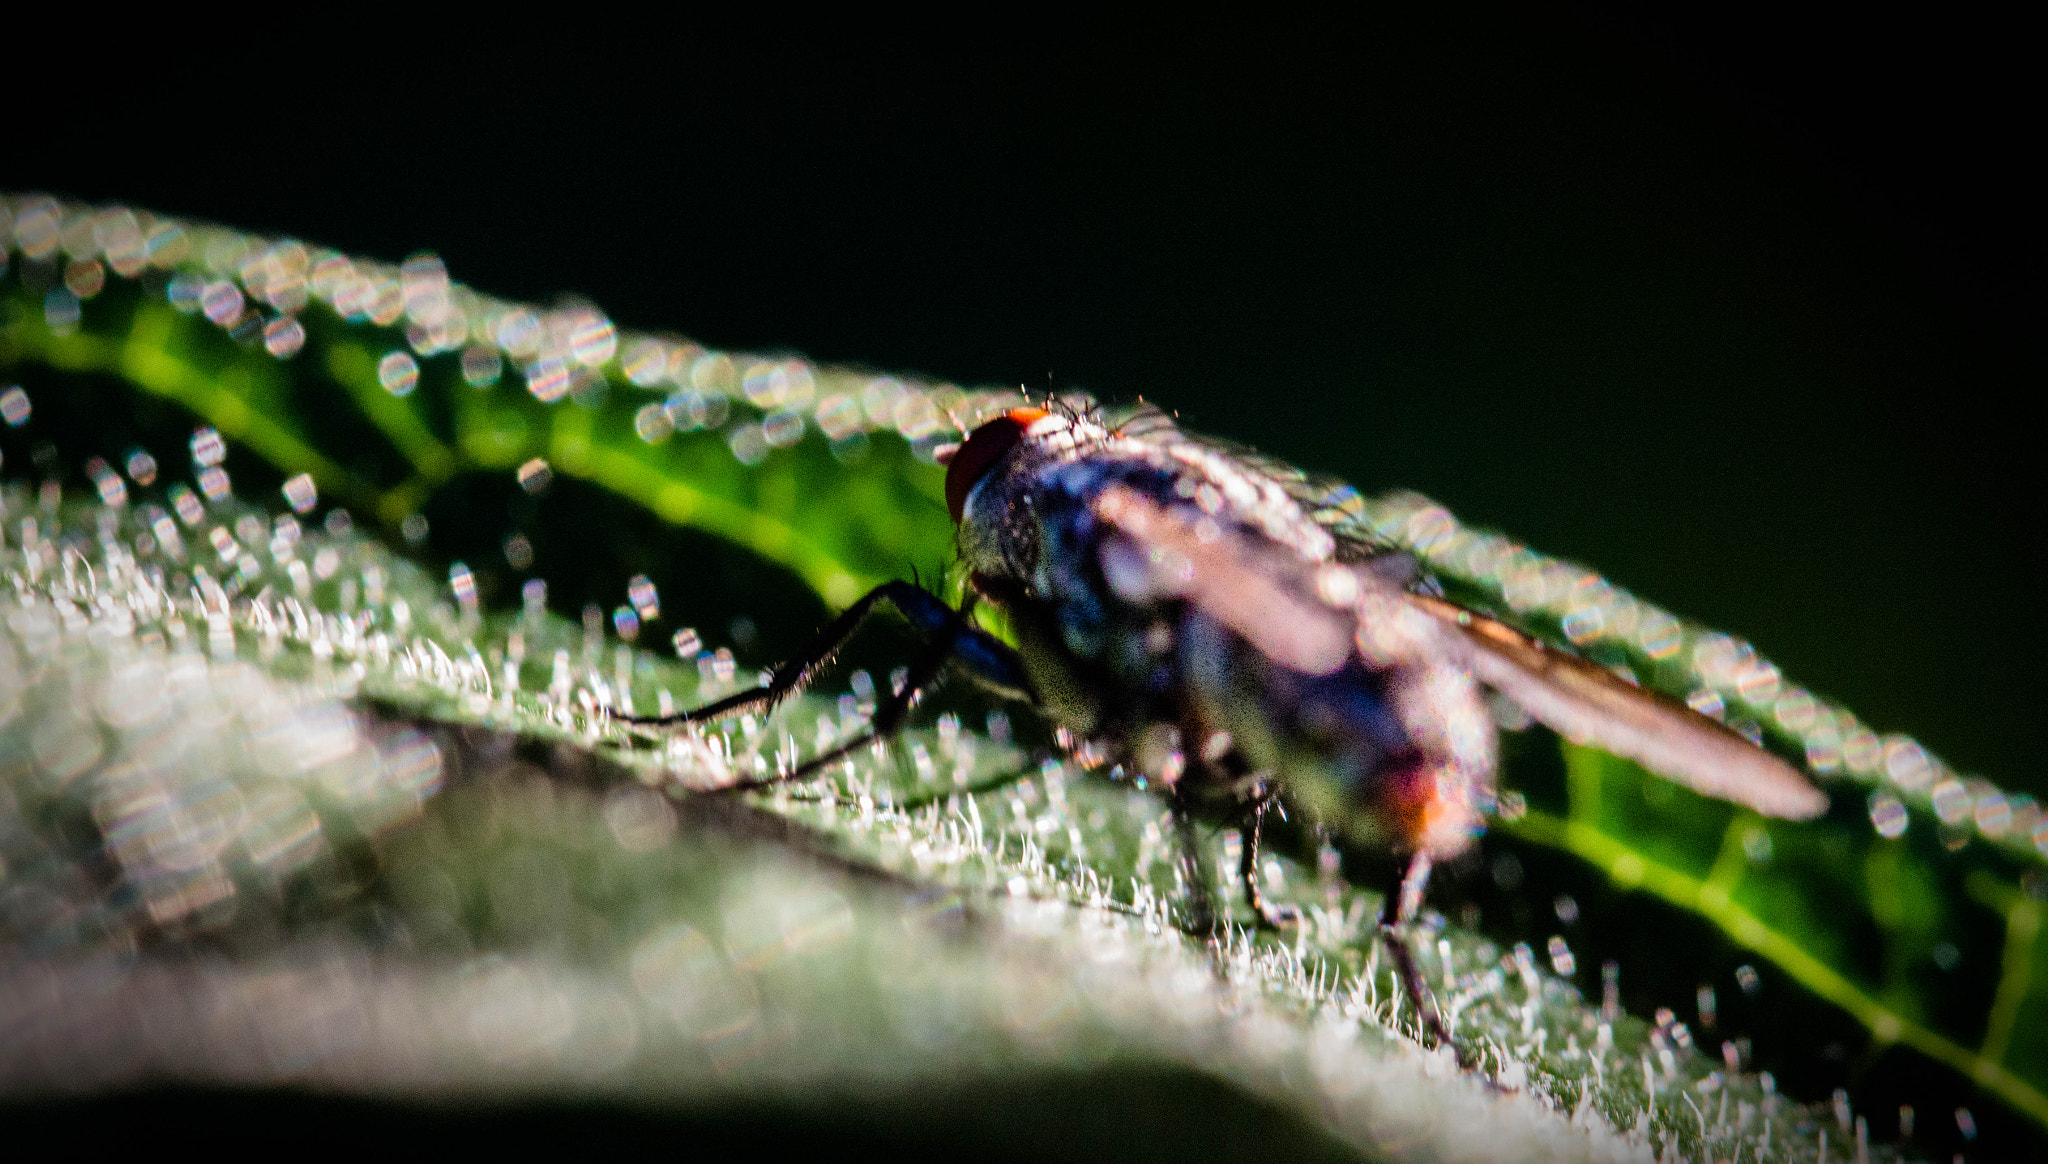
(1588, 703)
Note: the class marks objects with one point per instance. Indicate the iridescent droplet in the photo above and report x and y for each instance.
(301, 494)
(208, 447)
(644, 363)
(640, 592)
(463, 583)
(399, 373)
(86, 278)
(214, 483)
(14, 406)
(592, 338)
(222, 302)
(481, 366)
(782, 428)
(653, 423)
(283, 337)
(535, 476)
(1887, 815)
(186, 505)
(1561, 959)
(548, 380)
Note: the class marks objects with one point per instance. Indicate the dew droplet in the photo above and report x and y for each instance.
(208, 447)
(222, 302)
(301, 494)
(535, 476)
(214, 483)
(592, 338)
(481, 366)
(463, 583)
(283, 337)
(399, 373)
(782, 428)
(518, 551)
(1561, 959)
(14, 406)
(640, 592)
(644, 363)
(548, 380)
(186, 505)
(1887, 815)
(749, 446)
(653, 423)
(61, 311)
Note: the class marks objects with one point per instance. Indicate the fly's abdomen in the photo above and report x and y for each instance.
(1397, 755)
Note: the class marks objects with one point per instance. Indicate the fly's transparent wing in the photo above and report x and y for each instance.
(1577, 697)
(1590, 704)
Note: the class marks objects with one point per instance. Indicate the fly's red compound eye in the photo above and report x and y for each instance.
(984, 447)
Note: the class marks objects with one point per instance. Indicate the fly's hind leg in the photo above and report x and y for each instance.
(1397, 917)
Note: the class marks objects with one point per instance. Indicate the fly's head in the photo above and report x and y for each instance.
(985, 495)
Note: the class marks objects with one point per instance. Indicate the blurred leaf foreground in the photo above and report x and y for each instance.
(324, 578)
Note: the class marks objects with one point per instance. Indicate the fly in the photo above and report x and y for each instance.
(1180, 610)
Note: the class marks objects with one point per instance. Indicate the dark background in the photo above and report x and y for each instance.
(1744, 317)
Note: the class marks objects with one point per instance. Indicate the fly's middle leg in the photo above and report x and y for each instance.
(1268, 916)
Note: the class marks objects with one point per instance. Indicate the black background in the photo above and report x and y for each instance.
(1745, 317)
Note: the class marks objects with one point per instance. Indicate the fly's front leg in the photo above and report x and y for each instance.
(949, 639)
(1397, 916)
(796, 674)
